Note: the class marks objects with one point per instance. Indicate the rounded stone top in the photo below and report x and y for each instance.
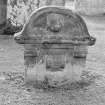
(54, 22)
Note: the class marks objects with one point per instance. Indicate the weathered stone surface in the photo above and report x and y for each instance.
(55, 48)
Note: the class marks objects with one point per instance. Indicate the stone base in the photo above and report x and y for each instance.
(70, 74)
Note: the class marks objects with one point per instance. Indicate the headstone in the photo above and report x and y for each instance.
(55, 48)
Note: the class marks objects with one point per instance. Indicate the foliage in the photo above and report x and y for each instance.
(10, 29)
(19, 10)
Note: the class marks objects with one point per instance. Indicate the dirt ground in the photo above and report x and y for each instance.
(14, 92)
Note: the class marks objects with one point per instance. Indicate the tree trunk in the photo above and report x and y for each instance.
(3, 14)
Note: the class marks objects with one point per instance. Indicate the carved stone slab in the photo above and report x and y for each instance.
(55, 41)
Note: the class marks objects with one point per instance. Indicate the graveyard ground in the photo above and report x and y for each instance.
(14, 92)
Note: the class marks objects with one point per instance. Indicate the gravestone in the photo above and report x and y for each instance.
(56, 44)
